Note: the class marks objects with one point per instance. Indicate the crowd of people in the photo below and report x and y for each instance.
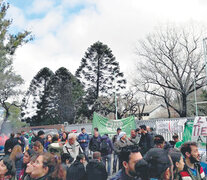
(142, 156)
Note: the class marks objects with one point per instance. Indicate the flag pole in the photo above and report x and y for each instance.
(115, 99)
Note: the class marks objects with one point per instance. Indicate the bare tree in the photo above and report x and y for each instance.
(170, 61)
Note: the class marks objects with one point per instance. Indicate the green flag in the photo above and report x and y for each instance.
(107, 126)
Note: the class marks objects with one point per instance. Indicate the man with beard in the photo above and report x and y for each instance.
(134, 166)
(192, 169)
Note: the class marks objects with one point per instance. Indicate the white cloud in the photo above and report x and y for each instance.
(61, 39)
(40, 6)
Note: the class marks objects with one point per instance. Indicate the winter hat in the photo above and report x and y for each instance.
(40, 133)
(158, 161)
(121, 134)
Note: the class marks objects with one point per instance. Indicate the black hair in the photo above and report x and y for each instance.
(126, 152)
(175, 136)
(79, 157)
(158, 139)
(54, 138)
(186, 147)
(95, 129)
(143, 127)
(151, 128)
(66, 156)
(175, 156)
(82, 128)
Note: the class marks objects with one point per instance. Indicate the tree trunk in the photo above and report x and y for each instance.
(3, 125)
(183, 111)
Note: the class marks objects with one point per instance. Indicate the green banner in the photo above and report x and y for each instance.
(107, 126)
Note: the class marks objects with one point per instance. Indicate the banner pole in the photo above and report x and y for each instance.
(115, 95)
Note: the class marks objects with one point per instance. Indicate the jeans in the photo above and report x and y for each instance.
(115, 162)
(108, 159)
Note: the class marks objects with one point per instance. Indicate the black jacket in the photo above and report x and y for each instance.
(146, 143)
(96, 169)
(9, 144)
(76, 171)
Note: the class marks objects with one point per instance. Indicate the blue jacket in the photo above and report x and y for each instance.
(85, 137)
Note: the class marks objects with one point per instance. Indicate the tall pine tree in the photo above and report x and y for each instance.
(98, 72)
(36, 100)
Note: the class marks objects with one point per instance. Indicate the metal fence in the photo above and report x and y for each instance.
(151, 123)
(166, 135)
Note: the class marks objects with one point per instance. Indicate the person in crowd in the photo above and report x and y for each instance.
(20, 141)
(146, 140)
(178, 163)
(134, 138)
(77, 170)
(95, 141)
(29, 168)
(9, 144)
(7, 169)
(175, 140)
(115, 155)
(48, 141)
(55, 147)
(64, 138)
(150, 130)
(160, 165)
(72, 147)
(106, 149)
(134, 166)
(48, 167)
(192, 168)
(83, 140)
(26, 159)
(95, 168)
(38, 147)
(66, 160)
(17, 157)
(40, 137)
(159, 142)
(122, 142)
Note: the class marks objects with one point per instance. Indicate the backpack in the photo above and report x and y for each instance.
(104, 147)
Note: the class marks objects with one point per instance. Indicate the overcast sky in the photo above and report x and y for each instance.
(64, 29)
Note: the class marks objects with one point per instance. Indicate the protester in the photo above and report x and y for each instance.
(48, 167)
(38, 147)
(95, 168)
(178, 163)
(134, 166)
(134, 138)
(192, 168)
(17, 157)
(114, 140)
(77, 170)
(106, 149)
(83, 140)
(26, 159)
(66, 160)
(95, 141)
(48, 141)
(20, 141)
(9, 144)
(160, 165)
(72, 147)
(175, 140)
(121, 143)
(40, 137)
(159, 142)
(64, 138)
(29, 168)
(55, 147)
(7, 169)
(146, 140)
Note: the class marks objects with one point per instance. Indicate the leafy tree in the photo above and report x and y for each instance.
(36, 99)
(98, 72)
(9, 81)
(170, 62)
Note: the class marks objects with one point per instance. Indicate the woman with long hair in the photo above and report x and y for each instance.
(26, 159)
(48, 141)
(178, 163)
(38, 147)
(64, 138)
(7, 169)
(17, 157)
(48, 167)
(29, 168)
